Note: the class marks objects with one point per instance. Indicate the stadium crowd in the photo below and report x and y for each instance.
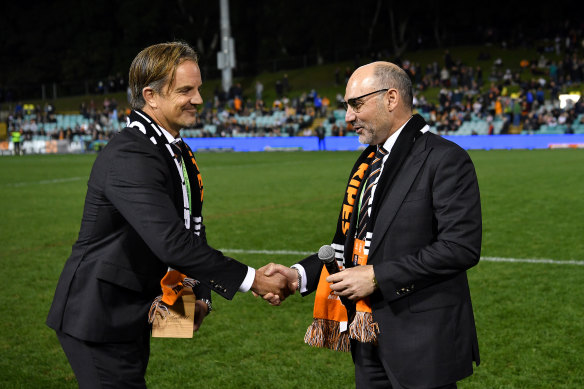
(466, 95)
(462, 96)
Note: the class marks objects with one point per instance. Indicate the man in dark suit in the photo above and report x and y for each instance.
(405, 250)
(142, 216)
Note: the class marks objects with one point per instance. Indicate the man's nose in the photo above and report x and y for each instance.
(350, 115)
(197, 99)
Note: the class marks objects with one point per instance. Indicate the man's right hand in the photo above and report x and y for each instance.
(272, 287)
(274, 270)
(291, 274)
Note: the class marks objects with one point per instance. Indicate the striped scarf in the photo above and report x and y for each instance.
(331, 312)
(337, 319)
(185, 171)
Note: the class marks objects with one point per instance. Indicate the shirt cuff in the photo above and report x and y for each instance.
(300, 268)
(248, 280)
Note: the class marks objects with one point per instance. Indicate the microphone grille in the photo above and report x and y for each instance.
(326, 253)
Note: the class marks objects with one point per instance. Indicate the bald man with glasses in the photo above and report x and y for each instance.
(409, 229)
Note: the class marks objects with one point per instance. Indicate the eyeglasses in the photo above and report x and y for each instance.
(357, 102)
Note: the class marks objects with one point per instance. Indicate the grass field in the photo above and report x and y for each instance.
(529, 315)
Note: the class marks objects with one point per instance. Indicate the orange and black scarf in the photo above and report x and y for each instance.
(337, 320)
(191, 188)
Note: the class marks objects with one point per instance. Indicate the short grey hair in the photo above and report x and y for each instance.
(389, 75)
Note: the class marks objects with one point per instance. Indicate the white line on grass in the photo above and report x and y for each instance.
(44, 182)
(528, 260)
(488, 259)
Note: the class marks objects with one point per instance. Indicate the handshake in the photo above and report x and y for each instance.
(275, 282)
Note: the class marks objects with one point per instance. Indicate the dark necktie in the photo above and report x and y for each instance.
(373, 175)
(177, 147)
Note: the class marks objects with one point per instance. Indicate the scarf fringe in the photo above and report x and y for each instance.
(363, 328)
(157, 307)
(326, 334)
(190, 282)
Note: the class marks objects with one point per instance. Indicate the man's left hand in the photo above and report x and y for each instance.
(201, 310)
(354, 283)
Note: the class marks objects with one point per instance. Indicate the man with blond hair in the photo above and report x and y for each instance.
(143, 221)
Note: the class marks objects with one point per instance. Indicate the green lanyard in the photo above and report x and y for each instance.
(187, 181)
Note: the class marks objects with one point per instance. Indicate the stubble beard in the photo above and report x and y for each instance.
(367, 135)
(188, 119)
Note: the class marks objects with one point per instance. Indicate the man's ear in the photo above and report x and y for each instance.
(391, 99)
(149, 94)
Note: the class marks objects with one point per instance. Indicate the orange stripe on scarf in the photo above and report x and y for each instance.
(172, 286)
(329, 327)
(328, 313)
(363, 328)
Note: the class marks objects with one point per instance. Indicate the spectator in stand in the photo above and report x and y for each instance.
(325, 105)
(317, 106)
(83, 110)
(529, 99)
(336, 130)
(238, 90)
(445, 77)
(530, 124)
(237, 104)
(34, 128)
(19, 110)
(516, 111)
(320, 133)
(259, 90)
(540, 96)
(50, 111)
(16, 138)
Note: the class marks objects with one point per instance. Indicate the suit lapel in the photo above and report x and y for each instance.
(399, 189)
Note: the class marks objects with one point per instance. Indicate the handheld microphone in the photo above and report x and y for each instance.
(327, 255)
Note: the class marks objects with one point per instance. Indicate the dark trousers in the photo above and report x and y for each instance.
(107, 365)
(372, 371)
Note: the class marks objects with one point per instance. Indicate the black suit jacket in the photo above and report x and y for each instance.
(132, 230)
(426, 235)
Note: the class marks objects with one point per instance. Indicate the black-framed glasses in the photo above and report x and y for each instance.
(357, 102)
